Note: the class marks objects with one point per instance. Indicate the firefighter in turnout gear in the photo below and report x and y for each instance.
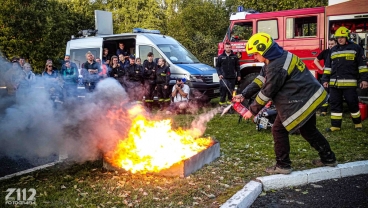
(342, 71)
(149, 67)
(296, 94)
(134, 80)
(228, 70)
(162, 83)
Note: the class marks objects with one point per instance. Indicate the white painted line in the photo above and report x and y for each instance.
(245, 197)
(29, 170)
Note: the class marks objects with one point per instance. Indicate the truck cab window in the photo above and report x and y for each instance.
(301, 27)
(269, 27)
(241, 31)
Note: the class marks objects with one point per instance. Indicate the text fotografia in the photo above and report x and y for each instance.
(20, 196)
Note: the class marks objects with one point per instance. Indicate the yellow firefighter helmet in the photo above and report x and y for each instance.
(342, 32)
(259, 42)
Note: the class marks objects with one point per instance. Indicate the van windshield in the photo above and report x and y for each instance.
(178, 54)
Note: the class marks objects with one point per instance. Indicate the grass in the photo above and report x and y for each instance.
(245, 152)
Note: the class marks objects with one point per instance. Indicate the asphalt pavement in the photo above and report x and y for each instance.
(342, 192)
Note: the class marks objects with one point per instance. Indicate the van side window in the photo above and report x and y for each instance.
(144, 50)
(301, 27)
(241, 31)
(78, 56)
(268, 26)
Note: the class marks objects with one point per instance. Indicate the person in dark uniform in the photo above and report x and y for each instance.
(323, 56)
(228, 70)
(296, 94)
(149, 67)
(162, 83)
(342, 70)
(134, 80)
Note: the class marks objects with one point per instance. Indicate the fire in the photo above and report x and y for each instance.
(152, 146)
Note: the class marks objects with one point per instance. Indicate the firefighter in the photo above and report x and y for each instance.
(341, 74)
(296, 94)
(228, 70)
(134, 80)
(323, 56)
(162, 83)
(149, 67)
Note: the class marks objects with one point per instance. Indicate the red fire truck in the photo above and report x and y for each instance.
(303, 32)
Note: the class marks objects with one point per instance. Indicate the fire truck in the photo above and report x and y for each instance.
(304, 32)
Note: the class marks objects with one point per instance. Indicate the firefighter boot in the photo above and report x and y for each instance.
(358, 127)
(162, 107)
(333, 129)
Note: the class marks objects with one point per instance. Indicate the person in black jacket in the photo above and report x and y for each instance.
(149, 67)
(228, 70)
(162, 81)
(324, 56)
(342, 70)
(134, 80)
(116, 70)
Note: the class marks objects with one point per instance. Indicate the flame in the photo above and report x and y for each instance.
(152, 146)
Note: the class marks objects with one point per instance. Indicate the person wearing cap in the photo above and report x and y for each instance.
(343, 68)
(134, 80)
(162, 83)
(180, 95)
(296, 95)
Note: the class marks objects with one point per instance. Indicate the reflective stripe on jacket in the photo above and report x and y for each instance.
(292, 88)
(345, 66)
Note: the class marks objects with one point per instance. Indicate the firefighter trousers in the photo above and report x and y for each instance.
(336, 103)
(149, 88)
(309, 132)
(163, 95)
(224, 91)
(135, 90)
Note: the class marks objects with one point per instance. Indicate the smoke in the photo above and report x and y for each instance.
(33, 125)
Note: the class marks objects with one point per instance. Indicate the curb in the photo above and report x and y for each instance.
(249, 193)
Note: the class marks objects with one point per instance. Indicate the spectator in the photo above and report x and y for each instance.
(134, 83)
(296, 95)
(162, 83)
(21, 62)
(27, 78)
(12, 77)
(121, 50)
(138, 61)
(51, 80)
(106, 57)
(343, 68)
(180, 94)
(323, 56)
(104, 69)
(117, 71)
(92, 70)
(228, 69)
(72, 64)
(69, 76)
(122, 60)
(149, 67)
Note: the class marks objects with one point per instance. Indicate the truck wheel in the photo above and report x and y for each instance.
(246, 81)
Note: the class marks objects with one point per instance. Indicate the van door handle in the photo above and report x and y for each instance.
(314, 52)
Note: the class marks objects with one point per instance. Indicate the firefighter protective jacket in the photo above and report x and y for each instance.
(255, 86)
(163, 75)
(134, 72)
(292, 88)
(345, 65)
(228, 66)
(149, 70)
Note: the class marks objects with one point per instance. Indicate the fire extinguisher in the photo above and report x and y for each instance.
(240, 108)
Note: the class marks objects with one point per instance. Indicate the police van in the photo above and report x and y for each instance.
(201, 78)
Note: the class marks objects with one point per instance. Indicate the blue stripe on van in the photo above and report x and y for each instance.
(200, 69)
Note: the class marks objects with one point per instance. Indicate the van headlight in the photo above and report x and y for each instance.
(195, 78)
